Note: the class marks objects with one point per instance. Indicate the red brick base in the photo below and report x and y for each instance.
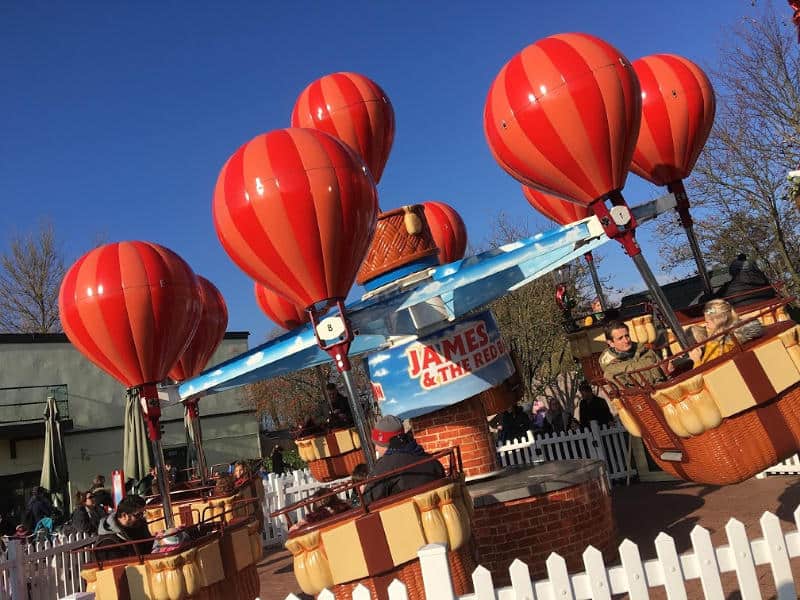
(464, 425)
(565, 521)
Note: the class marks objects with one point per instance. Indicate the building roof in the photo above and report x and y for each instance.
(684, 292)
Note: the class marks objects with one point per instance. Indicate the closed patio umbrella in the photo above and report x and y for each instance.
(55, 474)
(136, 450)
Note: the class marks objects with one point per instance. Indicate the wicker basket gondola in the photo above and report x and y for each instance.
(402, 236)
(335, 467)
(741, 447)
(692, 436)
(332, 455)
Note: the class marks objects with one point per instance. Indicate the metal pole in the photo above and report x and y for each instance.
(661, 300)
(698, 259)
(358, 417)
(163, 484)
(202, 466)
(596, 281)
(682, 208)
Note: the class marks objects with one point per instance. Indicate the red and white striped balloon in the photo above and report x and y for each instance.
(131, 308)
(209, 334)
(296, 210)
(678, 107)
(563, 116)
(553, 207)
(354, 109)
(448, 231)
(282, 312)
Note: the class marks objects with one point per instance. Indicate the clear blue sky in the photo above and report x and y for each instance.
(116, 119)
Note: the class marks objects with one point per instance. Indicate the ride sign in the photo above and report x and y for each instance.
(444, 368)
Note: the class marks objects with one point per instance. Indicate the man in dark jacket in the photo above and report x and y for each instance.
(397, 449)
(39, 506)
(592, 406)
(747, 282)
(126, 524)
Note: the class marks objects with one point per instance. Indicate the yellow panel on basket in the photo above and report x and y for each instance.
(728, 389)
(403, 529)
(242, 555)
(106, 586)
(138, 583)
(321, 446)
(209, 563)
(777, 364)
(345, 554)
(344, 441)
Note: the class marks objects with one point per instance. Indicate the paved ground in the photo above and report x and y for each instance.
(642, 511)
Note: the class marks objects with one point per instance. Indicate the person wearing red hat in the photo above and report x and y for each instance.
(396, 448)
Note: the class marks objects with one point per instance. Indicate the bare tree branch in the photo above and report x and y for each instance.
(30, 276)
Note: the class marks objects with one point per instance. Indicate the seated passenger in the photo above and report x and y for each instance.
(624, 355)
(319, 511)
(746, 277)
(241, 473)
(126, 524)
(719, 316)
(396, 449)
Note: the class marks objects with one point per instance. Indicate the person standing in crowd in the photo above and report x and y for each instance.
(395, 449)
(126, 524)
(102, 496)
(557, 420)
(592, 406)
(277, 460)
(87, 516)
(39, 507)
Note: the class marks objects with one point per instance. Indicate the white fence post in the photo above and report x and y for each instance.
(16, 557)
(436, 572)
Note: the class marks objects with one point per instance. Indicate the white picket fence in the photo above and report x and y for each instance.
(632, 576)
(281, 491)
(608, 443)
(791, 466)
(44, 570)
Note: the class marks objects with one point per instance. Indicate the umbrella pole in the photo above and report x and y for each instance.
(193, 412)
(152, 411)
(682, 208)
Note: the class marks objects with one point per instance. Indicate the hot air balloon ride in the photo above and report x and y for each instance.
(206, 339)
(698, 425)
(354, 109)
(295, 209)
(131, 308)
(134, 309)
(678, 107)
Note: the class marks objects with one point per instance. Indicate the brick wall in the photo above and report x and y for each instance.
(565, 521)
(463, 425)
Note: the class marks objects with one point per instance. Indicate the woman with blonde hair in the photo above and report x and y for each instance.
(720, 316)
